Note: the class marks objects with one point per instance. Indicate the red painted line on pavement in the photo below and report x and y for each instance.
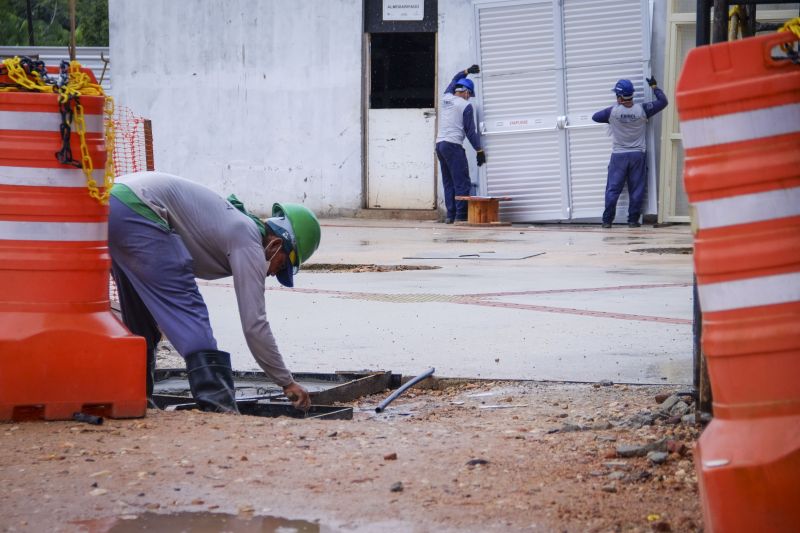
(580, 312)
(586, 289)
(472, 299)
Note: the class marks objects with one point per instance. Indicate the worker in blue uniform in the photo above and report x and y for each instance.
(628, 123)
(457, 119)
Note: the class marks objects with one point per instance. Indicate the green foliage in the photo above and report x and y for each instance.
(51, 22)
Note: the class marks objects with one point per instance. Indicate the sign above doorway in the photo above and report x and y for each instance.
(403, 9)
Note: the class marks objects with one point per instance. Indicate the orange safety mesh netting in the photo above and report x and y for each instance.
(133, 142)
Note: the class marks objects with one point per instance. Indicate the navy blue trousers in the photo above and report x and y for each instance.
(630, 168)
(455, 178)
(155, 280)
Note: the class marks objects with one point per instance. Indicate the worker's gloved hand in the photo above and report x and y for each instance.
(298, 395)
(651, 81)
(474, 69)
(481, 156)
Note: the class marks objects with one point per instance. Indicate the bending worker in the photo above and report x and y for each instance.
(456, 120)
(163, 231)
(628, 123)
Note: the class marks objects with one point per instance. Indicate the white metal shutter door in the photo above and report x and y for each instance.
(603, 43)
(519, 81)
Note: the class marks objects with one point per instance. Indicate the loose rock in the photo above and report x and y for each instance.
(662, 396)
(657, 458)
(679, 409)
(640, 450)
(667, 404)
(638, 420)
(397, 487)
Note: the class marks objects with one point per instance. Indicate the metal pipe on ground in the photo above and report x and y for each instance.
(407, 385)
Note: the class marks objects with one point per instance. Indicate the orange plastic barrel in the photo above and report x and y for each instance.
(740, 121)
(61, 348)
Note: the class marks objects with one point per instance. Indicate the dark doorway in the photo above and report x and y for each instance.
(402, 70)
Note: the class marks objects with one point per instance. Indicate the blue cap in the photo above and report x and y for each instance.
(466, 82)
(281, 227)
(623, 88)
(286, 277)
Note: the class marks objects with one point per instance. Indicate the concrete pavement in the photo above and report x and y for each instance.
(591, 307)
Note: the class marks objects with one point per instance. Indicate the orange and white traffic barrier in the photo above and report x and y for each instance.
(61, 349)
(740, 121)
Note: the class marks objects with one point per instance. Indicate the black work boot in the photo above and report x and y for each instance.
(150, 378)
(211, 381)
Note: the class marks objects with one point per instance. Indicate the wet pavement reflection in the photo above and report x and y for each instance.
(197, 523)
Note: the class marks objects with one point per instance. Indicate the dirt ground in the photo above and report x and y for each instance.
(469, 457)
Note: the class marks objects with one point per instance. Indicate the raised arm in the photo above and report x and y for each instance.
(460, 75)
(657, 105)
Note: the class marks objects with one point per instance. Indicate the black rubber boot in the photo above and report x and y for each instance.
(150, 377)
(211, 381)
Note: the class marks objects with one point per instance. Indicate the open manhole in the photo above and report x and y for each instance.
(256, 395)
(684, 250)
(350, 267)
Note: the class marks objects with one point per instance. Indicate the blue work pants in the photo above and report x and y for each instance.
(455, 178)
(155, 281)
(630, 168)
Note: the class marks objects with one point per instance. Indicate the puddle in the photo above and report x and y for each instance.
(196, 523)
(348, 267)
(627, 272)
(685, 250)
(626, 242)
(620, 239)
(475, 241)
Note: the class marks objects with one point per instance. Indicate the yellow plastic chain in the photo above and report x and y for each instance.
(792, 25)
(20, 77)
(78, 84)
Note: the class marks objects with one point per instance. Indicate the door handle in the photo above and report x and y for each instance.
(583, 126)
(429, 114)
(509, 132)
(561, 122)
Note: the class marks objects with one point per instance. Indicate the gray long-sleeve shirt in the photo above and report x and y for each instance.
(628, 124)
(457, 117)
(223, 242)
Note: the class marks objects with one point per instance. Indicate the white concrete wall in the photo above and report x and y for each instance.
(259, 98)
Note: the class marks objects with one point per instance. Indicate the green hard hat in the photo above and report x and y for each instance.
(305, 227)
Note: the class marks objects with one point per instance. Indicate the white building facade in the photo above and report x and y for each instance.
(332, 103)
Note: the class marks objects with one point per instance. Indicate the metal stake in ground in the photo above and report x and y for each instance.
(407, 385)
